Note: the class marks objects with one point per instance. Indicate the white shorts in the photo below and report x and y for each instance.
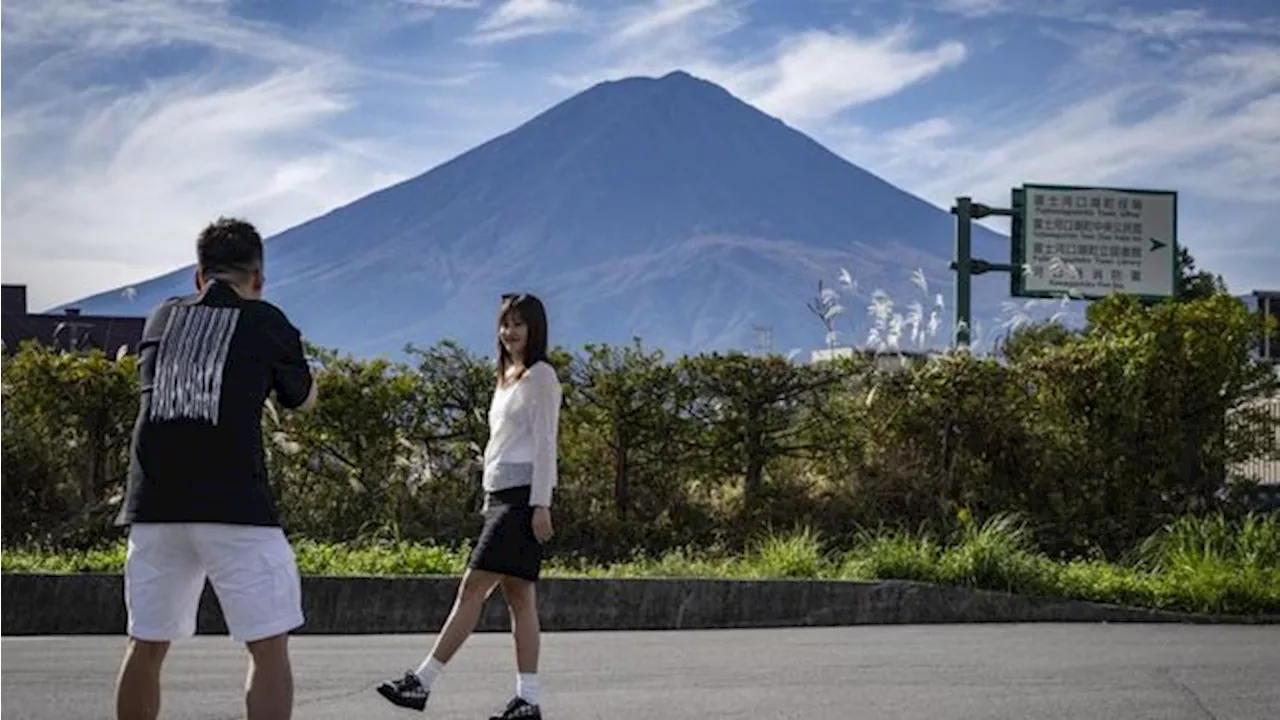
(252, 570)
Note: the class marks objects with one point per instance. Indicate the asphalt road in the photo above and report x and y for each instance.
(1018, 672)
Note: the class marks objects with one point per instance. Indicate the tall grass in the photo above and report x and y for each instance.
(1206, 564)
(893, 327)
(998, 554)
(1196, 543)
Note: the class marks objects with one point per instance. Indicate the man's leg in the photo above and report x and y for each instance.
(138, 684)
(255, 575)
(163, 581)
(268, 689)
(411, 691)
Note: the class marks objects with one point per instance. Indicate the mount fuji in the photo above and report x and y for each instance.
(659, 208)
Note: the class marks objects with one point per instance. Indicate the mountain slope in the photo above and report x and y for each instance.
(661, 208)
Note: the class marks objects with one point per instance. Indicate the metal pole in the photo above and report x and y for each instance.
(963, 267)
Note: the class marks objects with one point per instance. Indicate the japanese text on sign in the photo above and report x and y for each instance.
(1095, 241)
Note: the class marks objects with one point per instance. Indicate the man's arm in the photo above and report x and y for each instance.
(153, 330)
(310, 402)
(291, 377)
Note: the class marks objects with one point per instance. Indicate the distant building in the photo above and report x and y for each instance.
(69, 331)
(1267, 302)
(1266, 470)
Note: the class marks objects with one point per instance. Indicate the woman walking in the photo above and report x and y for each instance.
(519, 475)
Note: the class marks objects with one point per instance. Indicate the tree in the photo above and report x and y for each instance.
(104, 403)
(457, 390)
(629, 394)
(344, 457)
(950, 434)
(1147, 409)
(755, 409)
(1196, 284)
(451, 426)
(1026, 340)
(67, 424)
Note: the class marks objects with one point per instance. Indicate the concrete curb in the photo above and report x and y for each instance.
(92, 604)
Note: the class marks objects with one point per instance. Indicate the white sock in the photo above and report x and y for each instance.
(429, 670)
(527, 687)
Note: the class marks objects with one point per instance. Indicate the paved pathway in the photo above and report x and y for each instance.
(1018, 672)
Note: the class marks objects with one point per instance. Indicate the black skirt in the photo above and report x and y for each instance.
(507, 545)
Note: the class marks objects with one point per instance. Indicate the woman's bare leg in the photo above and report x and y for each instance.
(474, 589)
(522, 601)
(412, 689)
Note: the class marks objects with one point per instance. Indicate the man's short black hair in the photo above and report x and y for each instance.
(229, 246)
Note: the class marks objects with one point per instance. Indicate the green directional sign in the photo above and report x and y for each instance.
(1091, 242)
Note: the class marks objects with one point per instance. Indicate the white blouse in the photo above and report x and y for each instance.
(524, 422)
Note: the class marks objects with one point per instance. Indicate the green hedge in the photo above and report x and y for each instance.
(1209, 565)
(1097, 438)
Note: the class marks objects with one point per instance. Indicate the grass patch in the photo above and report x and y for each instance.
(1208, 564)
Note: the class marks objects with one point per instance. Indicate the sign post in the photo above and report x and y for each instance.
(1078, 241)
(966, 266)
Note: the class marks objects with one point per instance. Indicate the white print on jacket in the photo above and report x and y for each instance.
(190, 362)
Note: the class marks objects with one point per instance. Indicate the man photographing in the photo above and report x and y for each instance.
(198, 504)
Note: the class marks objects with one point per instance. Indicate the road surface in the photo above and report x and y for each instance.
(992, 672)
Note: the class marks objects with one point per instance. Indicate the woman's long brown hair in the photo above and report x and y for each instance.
(534, 315)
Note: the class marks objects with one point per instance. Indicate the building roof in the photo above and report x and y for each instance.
(74, 332)
(68, 331)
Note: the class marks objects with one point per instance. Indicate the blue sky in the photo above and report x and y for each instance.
(128, 125)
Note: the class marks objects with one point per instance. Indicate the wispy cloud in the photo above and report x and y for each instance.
(81, 28)
(109, 176)
(655, 36)
(1221, 115)
(516, 19)
(158, 164)
(405, 13)
(974, 8)
(803, 76)
(644, 21)
(818, 74)
(1180, 23)
(1166, 22)
(440, 4)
